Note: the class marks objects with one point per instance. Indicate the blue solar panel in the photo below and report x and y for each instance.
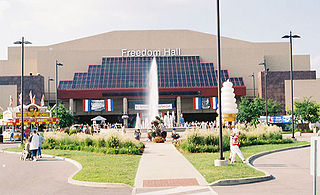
(237, 81)
(132, 72)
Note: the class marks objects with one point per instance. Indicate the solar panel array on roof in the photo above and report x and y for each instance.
(131, 72)
(237, 81)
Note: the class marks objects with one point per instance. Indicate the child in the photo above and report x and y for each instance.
(149, 134)
(175, 135)
(137, 134)
(234, 146)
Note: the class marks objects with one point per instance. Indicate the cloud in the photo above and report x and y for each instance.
(4, 5)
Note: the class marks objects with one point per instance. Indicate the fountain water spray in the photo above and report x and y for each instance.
(153, 92)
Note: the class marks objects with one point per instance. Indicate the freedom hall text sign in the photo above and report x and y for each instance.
(149, 52)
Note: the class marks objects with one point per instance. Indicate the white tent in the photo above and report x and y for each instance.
(98, 118)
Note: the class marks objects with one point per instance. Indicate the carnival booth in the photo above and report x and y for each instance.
(33, 116)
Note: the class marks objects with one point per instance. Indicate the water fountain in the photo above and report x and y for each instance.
(138, 122)
(152, 92)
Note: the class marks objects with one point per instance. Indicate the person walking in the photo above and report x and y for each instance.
(123, 130)
(11, 135)
(34, 144)
(41, 139)
(234, 146)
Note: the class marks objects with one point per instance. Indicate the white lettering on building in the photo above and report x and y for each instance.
(150, 53)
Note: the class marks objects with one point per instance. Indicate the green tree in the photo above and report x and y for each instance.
(274, 108)
(307, 110)
(244, 113)
(1, 115)
(64, 115)
(251, 110)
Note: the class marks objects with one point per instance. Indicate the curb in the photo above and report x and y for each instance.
(79, 167)
(249, 161)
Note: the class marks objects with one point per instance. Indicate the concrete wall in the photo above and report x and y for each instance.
(276, 88)
(302, 89)
(6, 91)
(33, 83)
(241, 58)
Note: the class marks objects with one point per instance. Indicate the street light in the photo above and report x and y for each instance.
(254, 85)
(22, 42)
(219, 81)
(291, 76)
(265, 87)
(57, 65)
(49, 79)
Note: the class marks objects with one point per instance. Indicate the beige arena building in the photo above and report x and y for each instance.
(181, 54)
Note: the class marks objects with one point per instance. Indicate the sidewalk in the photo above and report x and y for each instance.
(300, 137)
(161, 165)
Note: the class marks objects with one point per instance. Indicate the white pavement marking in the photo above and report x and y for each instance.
(200, 190)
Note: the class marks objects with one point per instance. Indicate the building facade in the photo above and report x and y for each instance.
(176, 51)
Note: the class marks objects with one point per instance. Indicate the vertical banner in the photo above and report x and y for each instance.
(109, 105)
(196, 103)
(214, 102)
(86, 105)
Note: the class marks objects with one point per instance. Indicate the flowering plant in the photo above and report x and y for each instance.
(156, 126)
(158, 139)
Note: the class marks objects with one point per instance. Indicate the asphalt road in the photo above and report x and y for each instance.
(48, 176)
(290, 169)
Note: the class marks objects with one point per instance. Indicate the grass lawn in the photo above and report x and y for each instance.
(204, 162)
(96, 167)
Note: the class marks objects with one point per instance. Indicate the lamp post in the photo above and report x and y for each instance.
(49, 79)
(22, 42)
(219, 80)
(254, 85)
(265, 87)
(57, 65)
(290, 36)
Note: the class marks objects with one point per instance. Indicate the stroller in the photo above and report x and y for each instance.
(26, 153)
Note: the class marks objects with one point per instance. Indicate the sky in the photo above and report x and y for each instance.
(45, 22)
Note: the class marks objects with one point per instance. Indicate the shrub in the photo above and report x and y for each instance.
(198, 140)
(111, 145)
(113, 142)
(128, 144)
(133, 151)
(211, 140)
(112, 151)
(66, 141)
(73, 131)
(88, 142)
(101, 142)
(123, 151)
(141, 145)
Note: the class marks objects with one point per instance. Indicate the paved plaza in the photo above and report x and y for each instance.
(162, 170)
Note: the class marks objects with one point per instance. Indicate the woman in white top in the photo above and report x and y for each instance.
(34, 144)
(123, 132)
